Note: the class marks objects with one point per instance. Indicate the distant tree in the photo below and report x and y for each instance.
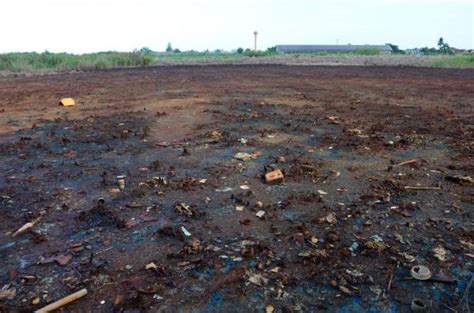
(247, 50)
(444, 47)
(395, 49)
(169, 48)
(177, 50)
(440, 42)
(240, 50)
(144, 51)
(427, 50)
(272, 49)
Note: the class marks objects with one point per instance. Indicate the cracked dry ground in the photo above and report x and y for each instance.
(341, 233)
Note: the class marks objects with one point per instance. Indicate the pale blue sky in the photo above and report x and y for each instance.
(122, 25)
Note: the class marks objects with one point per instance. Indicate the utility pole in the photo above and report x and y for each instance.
(255, 33)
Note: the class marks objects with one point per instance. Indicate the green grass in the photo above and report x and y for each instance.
(367, 51)
(458, 61)
(180, 57)
(32, 61)
(216, 56)
(38, 62)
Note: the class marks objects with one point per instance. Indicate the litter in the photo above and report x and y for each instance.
(151, 266)
(418, 305)
(460, 179)
(274, 177)
(440, 253)
(121, 182)
(67, 102)
(185, 231)
(420, 272)
(257, 279)
(244, 156)
(62, 302)
(260, 214)
(8, 293)
(225, 189)
(25, 228)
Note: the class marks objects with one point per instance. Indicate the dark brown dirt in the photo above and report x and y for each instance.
(339, 234)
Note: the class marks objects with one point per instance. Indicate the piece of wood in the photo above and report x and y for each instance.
(406, 162)
(421, 188)
(62, 302)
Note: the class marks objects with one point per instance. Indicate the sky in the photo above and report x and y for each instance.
(81, 26)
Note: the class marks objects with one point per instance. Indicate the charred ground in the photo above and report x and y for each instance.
(341, 233)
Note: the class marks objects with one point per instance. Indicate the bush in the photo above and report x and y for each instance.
(32, 61)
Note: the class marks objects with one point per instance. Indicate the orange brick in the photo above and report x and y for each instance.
(274, 177)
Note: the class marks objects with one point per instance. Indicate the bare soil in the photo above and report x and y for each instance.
(141, 170)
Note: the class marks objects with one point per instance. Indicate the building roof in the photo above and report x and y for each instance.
(330, 48)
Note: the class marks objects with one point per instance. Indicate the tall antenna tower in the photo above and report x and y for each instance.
(255, 33)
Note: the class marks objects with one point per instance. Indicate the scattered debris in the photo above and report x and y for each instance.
(257, 279)
(274, 177)
(185, 209)
(60, 259)
(459, 179)
(67, 102)
(440, 253)
(418, 305)
(406, 162)
(243, 141)
(260, 214)
(269, 309)
(225, 189)
(151, 266)
(25, 228)
(121, 182)
(63, 302)
(244, 156)
(330, 218)
(422, 188)
(215, 134)
(420, 272)
(334, 119)
(8, 293)
(185, 231)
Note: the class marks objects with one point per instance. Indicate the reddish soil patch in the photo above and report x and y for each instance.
(340, 233)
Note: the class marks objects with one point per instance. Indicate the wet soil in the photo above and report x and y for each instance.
(141, 170)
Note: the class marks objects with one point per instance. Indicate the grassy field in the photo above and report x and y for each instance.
(46, 62)
(458, 61)
(32, 62)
